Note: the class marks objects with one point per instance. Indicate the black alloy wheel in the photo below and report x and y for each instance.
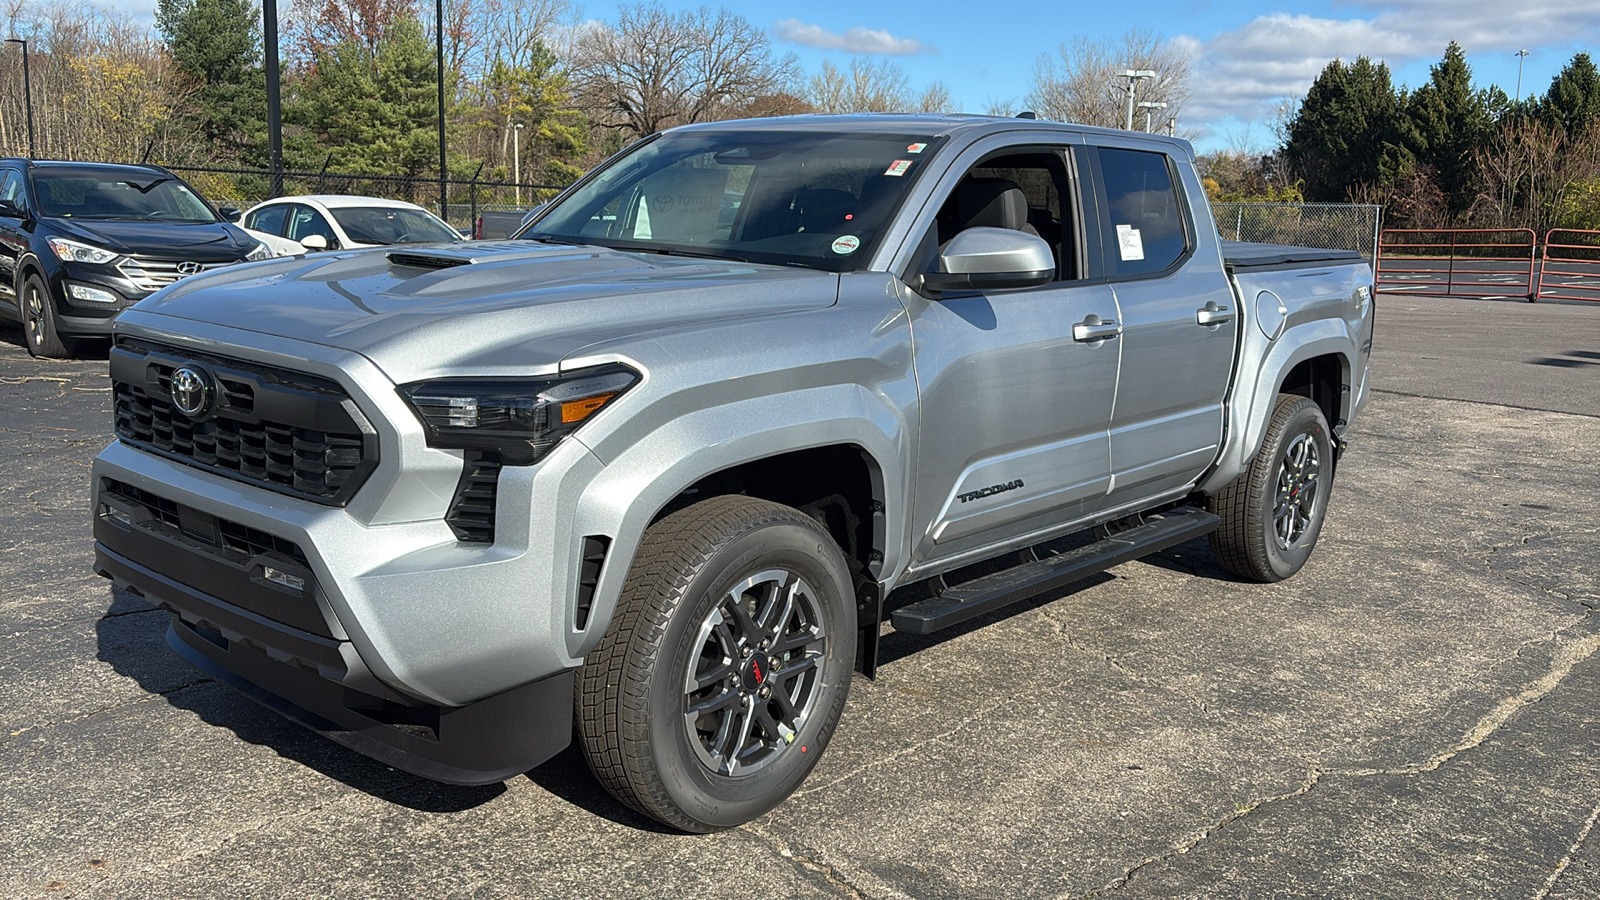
(39, 321)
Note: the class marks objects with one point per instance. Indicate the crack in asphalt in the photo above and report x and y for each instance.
(1566, 658)
(830, 874)
(34, 629)
(1561, 867)
(154, 695)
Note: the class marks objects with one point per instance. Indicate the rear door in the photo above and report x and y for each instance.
(1179, 324)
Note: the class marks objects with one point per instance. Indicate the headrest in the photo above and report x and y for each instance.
(824, 207)
(991, 202)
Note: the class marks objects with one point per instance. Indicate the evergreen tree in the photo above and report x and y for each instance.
(217, 44)
(536, 95)
(1573, 101)
(378, 111)
(1345, 132)
(1445, 121)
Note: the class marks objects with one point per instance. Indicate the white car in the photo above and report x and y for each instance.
(294, 225)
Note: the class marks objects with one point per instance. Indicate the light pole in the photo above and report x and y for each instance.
(1149, 107)
(516, 159)
(269, 27)
(1133, 76)
(438, 7)
(1520, 55)
(27, 89)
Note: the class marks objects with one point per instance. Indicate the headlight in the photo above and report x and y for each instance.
(519, 419)
(73, 251)
(261, 251)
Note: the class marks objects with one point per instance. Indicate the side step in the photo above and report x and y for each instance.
(957, 604)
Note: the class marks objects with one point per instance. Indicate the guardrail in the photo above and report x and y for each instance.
(1571, 269)
(1481, 262)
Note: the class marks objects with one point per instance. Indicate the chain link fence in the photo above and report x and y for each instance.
(1339, 226)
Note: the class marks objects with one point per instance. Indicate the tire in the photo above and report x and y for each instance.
(38, 316)
(703, 594)
(1273, 513)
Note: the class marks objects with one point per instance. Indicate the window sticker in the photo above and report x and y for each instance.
(898, 167)
(1130, 243)
(845, 245)
(916, 148)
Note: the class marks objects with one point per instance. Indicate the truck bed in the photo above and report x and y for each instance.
(1265, 257)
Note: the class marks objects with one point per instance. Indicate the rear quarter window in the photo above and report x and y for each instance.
(1142, 221)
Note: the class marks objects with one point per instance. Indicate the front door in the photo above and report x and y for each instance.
(1014, 410)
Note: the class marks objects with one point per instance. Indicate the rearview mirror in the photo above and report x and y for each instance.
(314, 242)
(988, 259)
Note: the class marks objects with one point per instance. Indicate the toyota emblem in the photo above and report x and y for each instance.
(188, 268)
(191, 390)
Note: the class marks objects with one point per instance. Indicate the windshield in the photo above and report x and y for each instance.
(392, 225)
(793, 198)
(113, 194)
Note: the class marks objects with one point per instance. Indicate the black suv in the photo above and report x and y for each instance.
(80, 241)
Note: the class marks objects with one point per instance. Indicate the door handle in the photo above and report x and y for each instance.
(1213, 314)
(1093, 329)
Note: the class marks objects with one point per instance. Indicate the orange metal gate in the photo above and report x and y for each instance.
(1571, 269)
(1479, 262)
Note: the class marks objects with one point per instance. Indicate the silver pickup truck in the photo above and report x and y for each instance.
(744, 397)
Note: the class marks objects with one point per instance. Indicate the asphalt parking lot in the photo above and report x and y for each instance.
(1417, 714)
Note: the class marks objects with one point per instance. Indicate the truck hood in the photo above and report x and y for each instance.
(491, 307)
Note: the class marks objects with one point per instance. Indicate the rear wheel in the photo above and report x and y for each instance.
(1272, 515)
(39, 321)
(726, 666)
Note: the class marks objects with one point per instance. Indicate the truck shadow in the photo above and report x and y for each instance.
(567, 776)
(131, 637)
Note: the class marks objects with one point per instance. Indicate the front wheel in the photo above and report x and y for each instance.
(1272, 514)
(39, 321)
(725, 669)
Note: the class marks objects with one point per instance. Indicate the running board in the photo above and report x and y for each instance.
(973, 598)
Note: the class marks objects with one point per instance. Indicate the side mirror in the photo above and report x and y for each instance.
(10, 210)
(231, 213)
(990, 259)
(314, 242)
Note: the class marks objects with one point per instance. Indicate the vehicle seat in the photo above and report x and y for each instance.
(987, 202)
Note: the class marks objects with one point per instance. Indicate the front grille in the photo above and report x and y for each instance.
(154, 274)
(471, 514)
(288, 432)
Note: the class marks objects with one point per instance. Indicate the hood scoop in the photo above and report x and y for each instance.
(425, 259)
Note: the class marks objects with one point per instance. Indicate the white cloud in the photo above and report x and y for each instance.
(855, 40)
(1244, 73)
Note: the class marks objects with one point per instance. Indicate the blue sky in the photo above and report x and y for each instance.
(1247, 55)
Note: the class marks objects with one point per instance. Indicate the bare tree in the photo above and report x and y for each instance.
(1081, 82)
(654, 69)
(867, 87)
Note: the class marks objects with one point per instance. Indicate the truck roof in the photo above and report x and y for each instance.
(930, 124)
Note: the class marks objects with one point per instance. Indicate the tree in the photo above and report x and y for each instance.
(216, 44)
(1081, 83)
(1346, 131)
(869, 88)
(1445, 122)
(1573, 100)
(654, 69)
(378, 113)
(533, 95)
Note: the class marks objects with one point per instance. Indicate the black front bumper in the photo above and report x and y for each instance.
(319, 680)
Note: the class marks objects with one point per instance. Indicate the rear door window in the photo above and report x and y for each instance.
(268, 219)
(1142, 222)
